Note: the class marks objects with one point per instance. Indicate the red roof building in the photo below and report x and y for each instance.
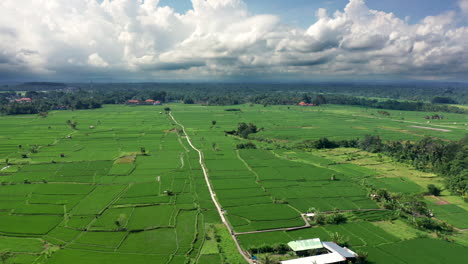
(133, 102)
(157, 102)
(24, 100)
(306, 104)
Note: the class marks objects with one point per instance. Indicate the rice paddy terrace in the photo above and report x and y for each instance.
(125, 186)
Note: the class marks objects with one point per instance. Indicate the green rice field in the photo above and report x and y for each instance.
(126, 187)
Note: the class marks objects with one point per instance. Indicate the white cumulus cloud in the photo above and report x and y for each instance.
(463, 6)
(143, 39)
(96, 60)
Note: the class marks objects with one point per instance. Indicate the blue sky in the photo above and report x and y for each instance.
(302, 12)
(229, 40)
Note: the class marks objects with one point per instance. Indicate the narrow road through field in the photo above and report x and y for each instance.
(212, 193)
(410, 122)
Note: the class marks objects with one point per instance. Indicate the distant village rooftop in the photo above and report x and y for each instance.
(306, 104)
(24, 100)
(146, 102)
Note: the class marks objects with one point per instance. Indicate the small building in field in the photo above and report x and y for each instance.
(157, 102)
(149, 101)
(23, 100)
(133, 102)
(301, 247)
(306, 104)
(317, 252)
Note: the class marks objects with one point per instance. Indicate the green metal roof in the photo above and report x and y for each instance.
(300, 245)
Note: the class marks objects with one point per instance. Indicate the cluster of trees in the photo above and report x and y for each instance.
(411, 208)
(448, 159)
(50, 100)
(325, 143)
(318, 100)
(244, 130)
(443, 100)
(393, 104)
(333, 218)
(248, 145)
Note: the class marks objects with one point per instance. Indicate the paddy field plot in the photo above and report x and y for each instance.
(418, 251)
(450, 213)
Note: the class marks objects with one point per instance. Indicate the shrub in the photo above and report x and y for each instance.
(336, 219)
(433, 190)
(277, 249)
(339, 239)
(431, 224)
(325, 143)
(320, 219)
(361, 257)
(248, 145)
(281, 249)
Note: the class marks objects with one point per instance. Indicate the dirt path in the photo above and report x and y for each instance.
(432, 128)
(212, 193)
(439, 200)
(410, 122)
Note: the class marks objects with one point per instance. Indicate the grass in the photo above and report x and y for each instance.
(17, 244)
(383, 167)
(400, 229)
(450, 213)
(227, 247)
(210, 247)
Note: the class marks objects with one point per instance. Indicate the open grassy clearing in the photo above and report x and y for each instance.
(388, 174)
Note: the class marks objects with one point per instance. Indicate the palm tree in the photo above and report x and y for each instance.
(339, 239)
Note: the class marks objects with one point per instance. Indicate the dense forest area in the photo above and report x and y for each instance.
(42, 102)
(49, 96)
(417, 91)
(448, 159)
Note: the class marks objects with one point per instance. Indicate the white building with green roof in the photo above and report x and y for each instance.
(327, 252)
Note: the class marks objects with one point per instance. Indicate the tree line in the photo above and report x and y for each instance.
(88, 97)
(45, 101)
(412, 91)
